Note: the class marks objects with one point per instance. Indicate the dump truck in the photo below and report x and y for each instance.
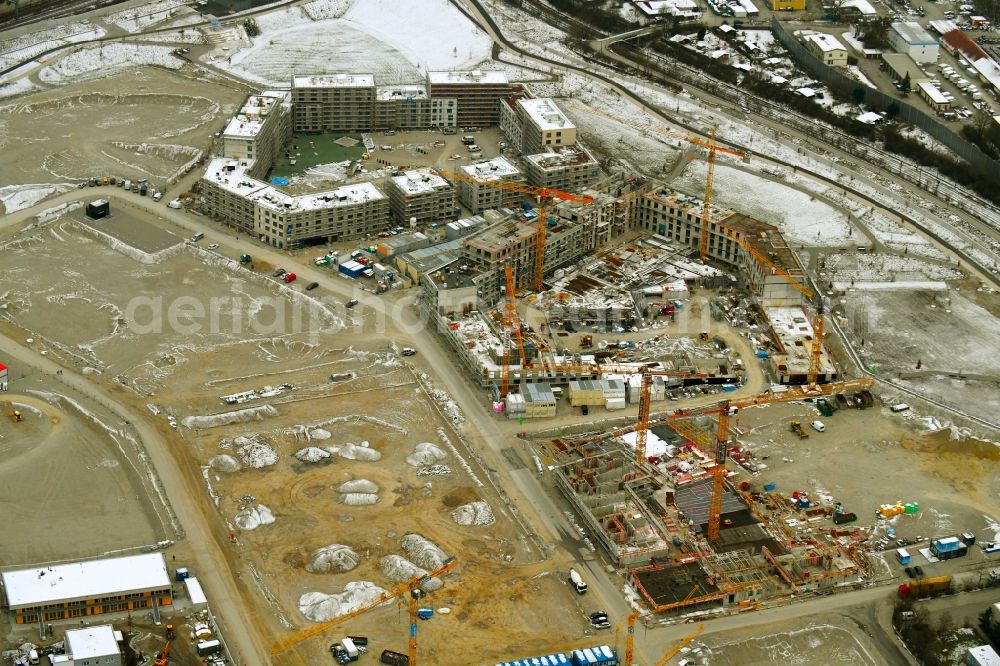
(796, 427)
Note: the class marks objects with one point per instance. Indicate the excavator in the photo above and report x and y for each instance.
(164, 656)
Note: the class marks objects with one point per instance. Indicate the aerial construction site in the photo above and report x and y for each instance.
(433, 332)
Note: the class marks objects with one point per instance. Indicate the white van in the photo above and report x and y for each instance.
(197, 237)
(818, 426)
(901, 407)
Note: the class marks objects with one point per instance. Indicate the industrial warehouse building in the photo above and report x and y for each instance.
(81, 589)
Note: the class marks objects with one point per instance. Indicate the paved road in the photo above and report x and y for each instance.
(963, 608)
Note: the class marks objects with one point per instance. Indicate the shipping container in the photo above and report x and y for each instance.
(394, 658)
(352, 269)
(98, 208)
(206, 648)
(902, 556)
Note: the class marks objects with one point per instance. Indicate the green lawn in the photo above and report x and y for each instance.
(315, 149)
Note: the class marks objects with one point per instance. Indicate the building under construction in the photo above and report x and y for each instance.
(652, 520)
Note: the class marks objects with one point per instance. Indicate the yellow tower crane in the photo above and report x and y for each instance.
(409, 588)
(546, 195)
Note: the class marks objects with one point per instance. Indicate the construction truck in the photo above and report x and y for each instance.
(15, 416)
(797, 428)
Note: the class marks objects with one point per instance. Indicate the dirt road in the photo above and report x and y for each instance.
(216, 575)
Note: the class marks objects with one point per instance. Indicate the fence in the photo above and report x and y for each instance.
(844, 85)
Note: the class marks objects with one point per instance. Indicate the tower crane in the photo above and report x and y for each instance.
(546, 194)
(410, 588)
(816, 349)
(630, 637)
(709, 145)
(512, 322)
(672, 652)
(729, 408)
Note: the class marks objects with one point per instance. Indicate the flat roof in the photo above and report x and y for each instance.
(249, 120)
(863, 6)
(85, 580)
(195, 593)
(985, 655)
(902, 64)
(493, 169)
(402, 92)
(913, 33)
(561, 157)
(826, 43)
(231, 174)
(933, 93)
(544, 113)
(92, 642)
(420, 181)
(465, 77)
(333, 80)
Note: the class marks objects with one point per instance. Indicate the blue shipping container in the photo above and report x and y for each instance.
(352, 268)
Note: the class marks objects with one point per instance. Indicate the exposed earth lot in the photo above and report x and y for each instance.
(148, 123)
(69, 487)
(182, 372)
(870, 457)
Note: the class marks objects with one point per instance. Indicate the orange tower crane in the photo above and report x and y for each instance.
(410, 588)
(546, 196)
(713, 149)
(512, 322)
(630, 638)
(672, 652)
(816, 350)
(728, 408)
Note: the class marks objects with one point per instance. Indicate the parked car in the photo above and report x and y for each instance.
(909, 571)
(213, 246)
(919, 571)
(409, 351)
(289, 277)
(351, 303)
(818, 426)
(278, 272)
(311, 286)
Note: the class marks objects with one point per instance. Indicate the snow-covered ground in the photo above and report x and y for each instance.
(137, 19)
(432, 33)
(102, 61)
(423, 35)
(801, 218)
(31, 44)
(318, 10)
(19, 197)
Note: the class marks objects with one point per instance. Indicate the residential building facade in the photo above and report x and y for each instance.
(421, 194)
(333, 103)
(260, 129)
(477, 93)
(570, 168)
(480, 196)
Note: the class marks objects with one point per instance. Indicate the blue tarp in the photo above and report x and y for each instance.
(279, 180)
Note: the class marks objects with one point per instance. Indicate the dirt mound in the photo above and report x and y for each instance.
(399, 569)
(426, 453)
(253, 517)
(474, 513)
(358, 486)
(224, 463)
(333, 558)
(460, 496)
(255, 451)
(356, 451)
(311, 454)
(359, 499)
(320, 607)
(422, 552)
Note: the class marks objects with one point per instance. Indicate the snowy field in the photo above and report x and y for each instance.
(801, 218)
(137, 19)
(18, 49)
(101, 61)
(424, 35)
(17, 88)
